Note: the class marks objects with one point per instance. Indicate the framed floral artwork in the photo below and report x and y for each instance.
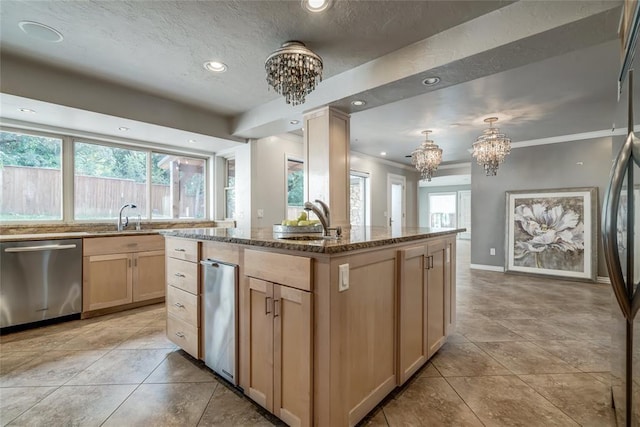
(553, 232)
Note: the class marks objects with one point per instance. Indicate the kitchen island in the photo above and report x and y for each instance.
(326, 327)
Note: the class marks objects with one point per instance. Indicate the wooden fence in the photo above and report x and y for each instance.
(37, 192)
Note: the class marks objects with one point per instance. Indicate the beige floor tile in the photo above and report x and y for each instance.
(146, 338)
(121, 367)
(581, 396)
(587, 356)
(486, 331)
(11, 360)
(508, 401)
(226, 408)
(375, 419)
(179, 367)
(466, 360)
(15, 400)
(163, 405)
(429, 401)
(99, 338)
(46, 341)
(76, 406)
(52, 368)
(428, 371)
(535, 329)
(526, 358)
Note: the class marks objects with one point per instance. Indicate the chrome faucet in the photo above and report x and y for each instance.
(123, 225)
(323, 215)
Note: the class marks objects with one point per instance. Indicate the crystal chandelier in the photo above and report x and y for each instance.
(491, 148)
(293, 71)
(427, 157)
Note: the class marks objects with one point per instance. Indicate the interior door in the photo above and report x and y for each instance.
(464, 213)
(396, 201)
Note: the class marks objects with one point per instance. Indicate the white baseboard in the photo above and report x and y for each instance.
(602, 279)
(487, 267)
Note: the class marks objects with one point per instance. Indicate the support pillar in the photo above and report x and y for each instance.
(326, 155)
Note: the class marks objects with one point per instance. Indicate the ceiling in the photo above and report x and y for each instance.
(545, 68)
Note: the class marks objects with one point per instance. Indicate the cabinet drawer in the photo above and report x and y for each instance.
(183, 275)
(184, 335)
(290, 270)
(118, 245)
(182, 249)
(182, 305)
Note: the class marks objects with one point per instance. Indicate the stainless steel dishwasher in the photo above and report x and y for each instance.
(220, 322)
(39, 280)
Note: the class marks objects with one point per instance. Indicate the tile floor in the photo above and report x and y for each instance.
(527, 352)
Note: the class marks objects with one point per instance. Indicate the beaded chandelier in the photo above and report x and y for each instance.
(491, 148)
(293, 71)
(427, 157)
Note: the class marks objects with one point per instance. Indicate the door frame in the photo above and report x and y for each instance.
(401, 180)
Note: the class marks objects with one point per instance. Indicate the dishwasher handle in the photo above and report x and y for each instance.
(39, 248)
(210, 263)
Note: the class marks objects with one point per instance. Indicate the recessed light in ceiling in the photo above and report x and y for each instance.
(41, 31)
(123, 128)
(294, 122)
(358, 102)
(192, 141)
(26, 110)
(316, 5)
(383, 153)
(579, 163)
(430, 81)
(215, 66)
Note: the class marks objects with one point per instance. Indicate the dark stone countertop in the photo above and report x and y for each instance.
(354, 239)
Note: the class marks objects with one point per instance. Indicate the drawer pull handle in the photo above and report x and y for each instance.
(179, 305)
(179, 250)
(179, 334)
(179, 275)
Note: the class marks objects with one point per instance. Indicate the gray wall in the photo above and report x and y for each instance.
(423, 200)
(378, 181)
(534, 168)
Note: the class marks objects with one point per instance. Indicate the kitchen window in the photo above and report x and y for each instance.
(230, 188)
(177, 187)
(295, 188)
(31, 173)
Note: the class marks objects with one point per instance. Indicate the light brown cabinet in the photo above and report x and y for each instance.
(424, 313)
(183, 294)
(278, 311)
(122, 270)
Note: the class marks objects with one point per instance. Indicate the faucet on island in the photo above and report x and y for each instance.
(123, 225)
(324, 216)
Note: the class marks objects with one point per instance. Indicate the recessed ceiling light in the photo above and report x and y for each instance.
(316, 5)
(358, 102)
(27, 110)
(430, 81)
(123, 128)
(579, 163)
(215, 66)
(192, 141)
(294, 122)
(41, 31)
(383, 153)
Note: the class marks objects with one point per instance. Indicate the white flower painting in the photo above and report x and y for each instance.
(550, 232)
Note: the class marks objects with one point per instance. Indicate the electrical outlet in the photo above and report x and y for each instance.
(343, 277)
(492, 251)
(260, 213)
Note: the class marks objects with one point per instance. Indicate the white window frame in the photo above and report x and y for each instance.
(226, 188)
(367, 195)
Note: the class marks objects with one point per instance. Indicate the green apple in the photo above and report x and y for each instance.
(304, 223)
(284, 222)
(302, 216)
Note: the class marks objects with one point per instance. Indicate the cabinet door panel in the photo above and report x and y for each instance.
(260, 309)
(436, 323)
(412, 350)
(148, 275)
(108, 281)
(293, 366)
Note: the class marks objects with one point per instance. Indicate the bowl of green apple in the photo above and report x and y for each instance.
(296, 228)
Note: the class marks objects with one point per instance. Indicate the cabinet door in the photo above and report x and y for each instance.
(436, 322)
(259, 307)
(107, 281)
(292, 323)
(412, 324)
(148, 275)
(450, 286)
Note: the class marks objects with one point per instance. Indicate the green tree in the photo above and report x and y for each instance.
(295, 188)
(27, 150)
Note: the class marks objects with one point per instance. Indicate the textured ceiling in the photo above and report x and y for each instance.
(546, 68)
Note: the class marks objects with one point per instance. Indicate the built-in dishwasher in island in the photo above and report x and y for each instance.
(219, 319)
(39, 280)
